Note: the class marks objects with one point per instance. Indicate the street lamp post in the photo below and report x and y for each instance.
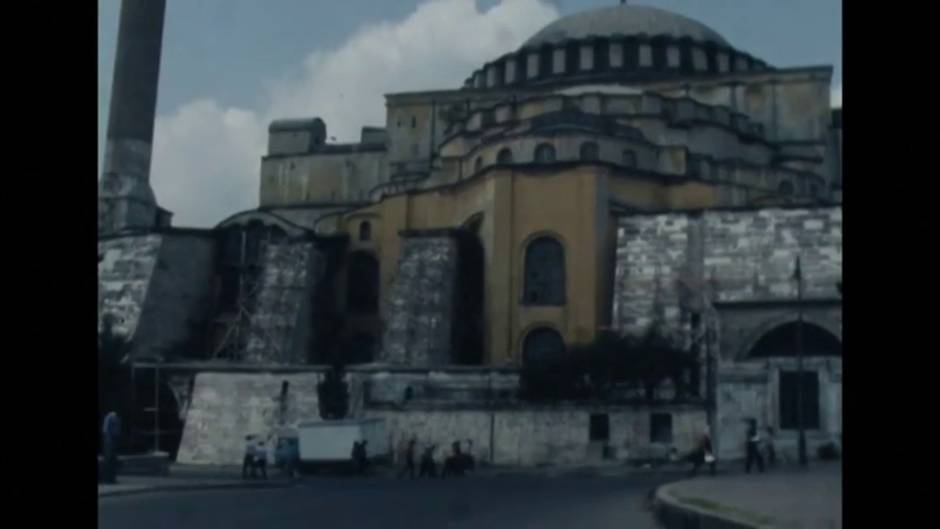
(798, 275)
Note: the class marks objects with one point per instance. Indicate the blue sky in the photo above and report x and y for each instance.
(229, 66)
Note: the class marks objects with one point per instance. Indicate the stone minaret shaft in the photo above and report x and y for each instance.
(126, 199)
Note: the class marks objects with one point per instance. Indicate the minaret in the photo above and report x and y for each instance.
(125, 199)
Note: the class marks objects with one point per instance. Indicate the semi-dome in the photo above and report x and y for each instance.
(625, 20)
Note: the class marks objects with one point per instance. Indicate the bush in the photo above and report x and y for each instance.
(828, 452)
(592, 371)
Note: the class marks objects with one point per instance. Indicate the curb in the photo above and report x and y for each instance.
(675, 515)
(191, 488)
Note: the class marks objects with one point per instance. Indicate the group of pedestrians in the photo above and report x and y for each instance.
(457, 464)
(757, 448)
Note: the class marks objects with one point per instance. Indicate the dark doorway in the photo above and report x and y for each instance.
(156, 422)
(600, 427)
(361, 348)
(362, 284)
(469, 324)
(661, 428)
(790, 386)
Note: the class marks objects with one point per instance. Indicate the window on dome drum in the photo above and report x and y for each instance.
(659, 55)
(590, 152)
(711, 56)
(572, 57)
(785, 188)
(601, 55)
(685, 57)
(504, 156)
(544, 153)
(629, 158)
(365, 231)
(631, 54)
(545, 61)
(478, 164)
(544, 272)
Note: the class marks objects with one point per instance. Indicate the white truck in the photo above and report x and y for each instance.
(330, 442)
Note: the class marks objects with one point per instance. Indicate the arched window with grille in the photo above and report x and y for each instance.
(544, 153)
(544, 272)
(590, 152)
(504, 156)
(365, 231)
(541, 346)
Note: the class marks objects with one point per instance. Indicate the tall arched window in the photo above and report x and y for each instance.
(365, 231)
(541, 346)
(504, 156)
(544, 153)
(544, 272)
(362, 283)
(590, 152)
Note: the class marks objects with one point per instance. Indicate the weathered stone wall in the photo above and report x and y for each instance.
(173, 321)
(751, 254)
(156, 289)
(279, 330)
(652, 261)
(536, 436)
(666, 262)
(225, 407)
(420, 306)
(125, 268)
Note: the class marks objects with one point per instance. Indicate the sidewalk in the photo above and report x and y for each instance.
(189, 478)
(784, 498)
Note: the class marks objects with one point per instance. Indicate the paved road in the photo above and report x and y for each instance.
(517, 502)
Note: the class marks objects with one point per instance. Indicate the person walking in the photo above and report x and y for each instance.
(753, 448)
(261, 459)
(248, 463)
(409, 460)
(428, 467)
(770, 448)
(110, 432)
(703, 454)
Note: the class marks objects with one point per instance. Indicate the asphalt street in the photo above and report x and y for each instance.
(517, 502)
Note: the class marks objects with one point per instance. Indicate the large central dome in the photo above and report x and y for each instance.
(625, 20)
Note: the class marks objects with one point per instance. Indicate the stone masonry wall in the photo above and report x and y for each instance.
(124, 271)
(529, 437)
(280, 320)
(225, 407)
(652, 260)
(751, 254)
(420, 309)
(665, 262)
(175, 310)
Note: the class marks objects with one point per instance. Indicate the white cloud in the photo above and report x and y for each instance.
(206, 158)
(835, 96)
